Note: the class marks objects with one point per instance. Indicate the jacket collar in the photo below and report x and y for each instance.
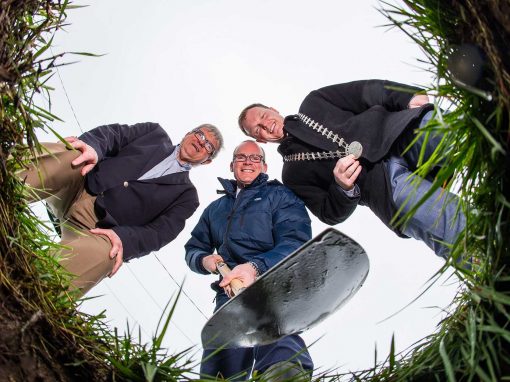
(160, 153)
(293, 127)
(175, 178)
(230, 185)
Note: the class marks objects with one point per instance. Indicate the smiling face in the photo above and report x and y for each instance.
(245, 170)
(194, 149)
(264, 124)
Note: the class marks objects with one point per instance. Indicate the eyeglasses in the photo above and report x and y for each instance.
(209, 147)
(254, 158)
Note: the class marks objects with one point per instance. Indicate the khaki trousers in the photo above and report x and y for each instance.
(58, 182)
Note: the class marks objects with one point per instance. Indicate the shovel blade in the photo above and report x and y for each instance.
(296, 294)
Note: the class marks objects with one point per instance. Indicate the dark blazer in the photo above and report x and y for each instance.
(146, 214)
(372, 112)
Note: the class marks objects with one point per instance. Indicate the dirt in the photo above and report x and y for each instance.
(31, 350)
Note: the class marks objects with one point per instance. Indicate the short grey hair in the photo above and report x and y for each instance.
(216, 134)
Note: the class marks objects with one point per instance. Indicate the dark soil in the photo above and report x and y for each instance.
(31, 350)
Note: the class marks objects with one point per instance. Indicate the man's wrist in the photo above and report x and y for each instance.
(255, 267)
(199, 263)
(352, 193)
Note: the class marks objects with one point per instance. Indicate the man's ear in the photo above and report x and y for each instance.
(231, 166)
(207, 161)
(261, 140)
(264, 168)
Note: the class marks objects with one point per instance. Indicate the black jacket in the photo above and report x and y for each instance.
(372, 112)
(146, 214)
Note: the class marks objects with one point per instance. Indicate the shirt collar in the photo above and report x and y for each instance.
(186, 166)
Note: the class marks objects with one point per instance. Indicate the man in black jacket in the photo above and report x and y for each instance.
(120, 193)
(346, 147)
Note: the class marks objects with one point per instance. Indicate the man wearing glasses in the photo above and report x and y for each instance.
(122, 192)
(252, 227)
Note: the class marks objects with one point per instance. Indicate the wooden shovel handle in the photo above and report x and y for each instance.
(236, 284)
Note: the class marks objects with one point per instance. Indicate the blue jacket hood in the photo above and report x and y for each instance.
(230, 185)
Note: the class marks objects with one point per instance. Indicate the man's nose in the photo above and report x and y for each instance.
(202, 144)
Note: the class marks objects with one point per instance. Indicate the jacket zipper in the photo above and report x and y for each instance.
(230, 216)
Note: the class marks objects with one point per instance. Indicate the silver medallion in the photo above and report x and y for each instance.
(344, 149)
(355, 148)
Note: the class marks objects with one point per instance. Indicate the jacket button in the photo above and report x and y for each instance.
(126, 184)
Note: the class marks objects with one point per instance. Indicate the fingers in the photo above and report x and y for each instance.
(118, 263)
(88, 155)
(418, 100)
(86, 169)
(209, 262)
(114, 240)
(234, 285)
(116, 252)
(355, 174)
(346, 172)
(228, 291)
(116, 249)
(227, 279)
(85, 156)
(344, 165)
(244, 272)
(77, 144)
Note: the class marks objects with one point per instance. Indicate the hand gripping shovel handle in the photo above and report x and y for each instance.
(236, 284)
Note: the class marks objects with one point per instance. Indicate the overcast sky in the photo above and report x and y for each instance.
(183, 63)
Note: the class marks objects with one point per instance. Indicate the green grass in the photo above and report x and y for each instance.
(470, 344)
(60, 342)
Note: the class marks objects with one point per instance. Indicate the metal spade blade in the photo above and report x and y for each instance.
(296, 294)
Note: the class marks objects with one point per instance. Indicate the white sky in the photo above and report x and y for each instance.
(183, 63)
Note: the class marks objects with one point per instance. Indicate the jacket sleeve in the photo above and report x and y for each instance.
(107, 140)
(200, 244)
(291, 229)
(359, 96)
(329, 203)
(138, 241)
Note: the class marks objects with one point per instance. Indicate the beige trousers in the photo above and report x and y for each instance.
(58, 182)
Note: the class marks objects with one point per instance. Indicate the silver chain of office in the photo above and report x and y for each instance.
(354, 148)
